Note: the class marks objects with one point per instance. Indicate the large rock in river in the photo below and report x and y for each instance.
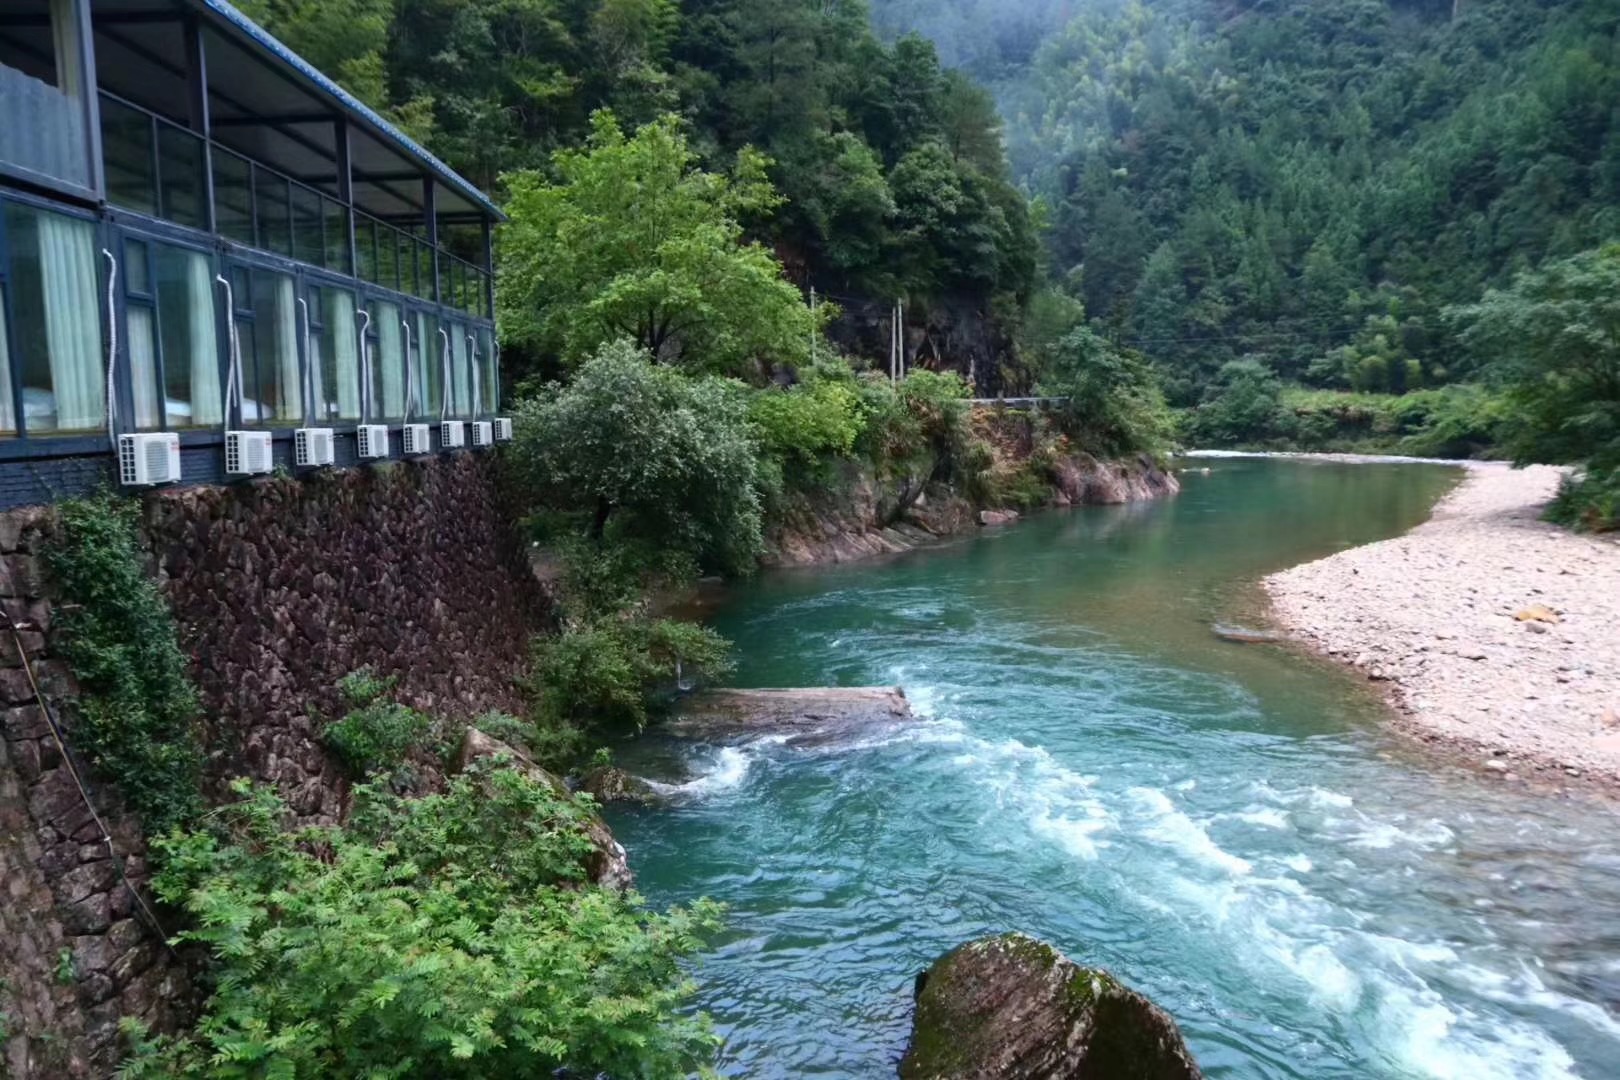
(1013, 1008)
(807, 717)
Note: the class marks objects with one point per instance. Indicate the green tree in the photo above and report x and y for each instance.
(1244, 406)
(1553, 339)
(1112, 403)
(634, 241)
(649, 455)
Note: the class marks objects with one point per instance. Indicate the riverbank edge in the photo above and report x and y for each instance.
(1331, 607)
(857, 521)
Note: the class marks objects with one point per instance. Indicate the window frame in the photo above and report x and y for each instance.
(90, 109)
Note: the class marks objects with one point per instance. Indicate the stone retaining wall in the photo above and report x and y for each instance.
(280, 587)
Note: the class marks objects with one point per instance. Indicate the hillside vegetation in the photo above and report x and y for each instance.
(1318, 192)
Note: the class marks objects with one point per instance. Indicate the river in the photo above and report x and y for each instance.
(1223, 826)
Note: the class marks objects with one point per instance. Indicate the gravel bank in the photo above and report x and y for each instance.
(1496, 634)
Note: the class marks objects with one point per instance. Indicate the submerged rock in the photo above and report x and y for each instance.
(607, 864)
(611, 784)
(1013, 1008)
(1248, 635)
(806, 717)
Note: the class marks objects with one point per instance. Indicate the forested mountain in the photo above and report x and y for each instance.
(1308, 182)
(892, 170)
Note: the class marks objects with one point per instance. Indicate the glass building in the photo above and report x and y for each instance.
(179, 191)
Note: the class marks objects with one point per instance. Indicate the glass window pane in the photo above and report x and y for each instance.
(140, 352)
(127, 151)
(308, 245)
(233, 199)
(461, 372)
(42, 99)
(56, 314)
(8, 406)
(273, 378)
(271, 195)
(365, 248)
(192, 389)
(134, 268)
(180, 154)
(337, 237)
(387, 362)
(490, 395)
(430, 372)
(335, 354)
(424, 269)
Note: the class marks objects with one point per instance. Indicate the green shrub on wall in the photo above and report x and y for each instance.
(379, 733)
(449, 936)
(136, 707)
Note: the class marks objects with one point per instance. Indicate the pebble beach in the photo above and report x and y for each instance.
(1496, 634)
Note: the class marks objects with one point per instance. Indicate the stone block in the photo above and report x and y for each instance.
(92, 915)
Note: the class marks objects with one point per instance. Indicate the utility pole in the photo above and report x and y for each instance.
(900, 312)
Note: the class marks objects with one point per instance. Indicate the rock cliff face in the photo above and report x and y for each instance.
(1013, 1008)
(863, 518)
(956, 334)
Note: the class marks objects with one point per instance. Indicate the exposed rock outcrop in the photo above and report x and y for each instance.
(807, 717)
(1013, 1008)
(608, 865)
(614, 785)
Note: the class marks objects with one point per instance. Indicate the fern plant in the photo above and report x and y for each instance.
(451, 936)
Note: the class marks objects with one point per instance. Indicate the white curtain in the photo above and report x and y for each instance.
(202, 342)
(289, 394)
(463, 372)
(8, 409)
(142, 354)
(391, 358)
(430, 368)
(67, 264)
(341, 328)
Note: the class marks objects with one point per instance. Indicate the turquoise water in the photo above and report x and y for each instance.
(1223, 826)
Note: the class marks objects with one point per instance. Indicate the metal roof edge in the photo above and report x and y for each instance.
(353, 104)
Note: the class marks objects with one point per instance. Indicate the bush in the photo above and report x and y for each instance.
(802, 431)
(1457, 421)
(136, 707)
(656, 457)
(378, 734)
(1589, 501)
(611, 673)
(1243, 407)
(1113, 405)
(811, 419)
(449, 936)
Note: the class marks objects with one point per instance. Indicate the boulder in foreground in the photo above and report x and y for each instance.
(807, 717)
(1013, 1008)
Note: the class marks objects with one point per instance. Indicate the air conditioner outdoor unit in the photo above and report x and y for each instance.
(503, 429)
(151, 458)
(247, 453)
(373, 439)
(482, 434)
(452, 434)
(312, 447)
(417, 440)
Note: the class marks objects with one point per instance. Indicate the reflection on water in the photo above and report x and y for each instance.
(1222, 825)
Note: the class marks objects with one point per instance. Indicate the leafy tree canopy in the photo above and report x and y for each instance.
(648, 453)
(633, 240)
